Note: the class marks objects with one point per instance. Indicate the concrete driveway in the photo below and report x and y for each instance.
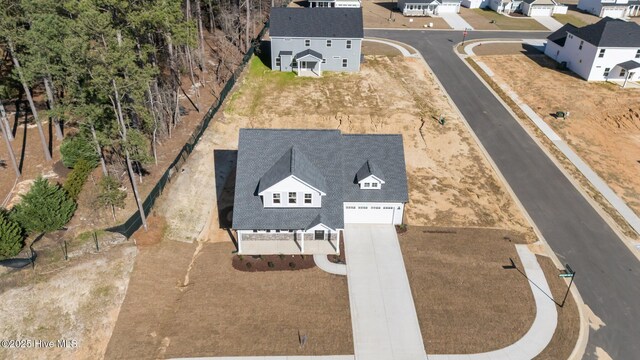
(385, 324)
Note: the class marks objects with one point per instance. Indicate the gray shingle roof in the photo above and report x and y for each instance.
(560, 36)
(293, 162)
(329, 155)
(307, 52)
(610, 32)
(368, 169)
(629, 65)
(316, 22)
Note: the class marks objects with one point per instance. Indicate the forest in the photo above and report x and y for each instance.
(106, 84)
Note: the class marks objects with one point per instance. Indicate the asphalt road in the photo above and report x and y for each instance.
(607, 273)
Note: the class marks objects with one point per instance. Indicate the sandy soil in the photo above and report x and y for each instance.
(480, 20)
(604, 124)
(446, 265)
(202, 306)
(79, 301)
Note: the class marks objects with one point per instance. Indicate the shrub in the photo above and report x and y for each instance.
(11, 236)
(78, 147)
(46, 207)
(77, 177)
(110, 195)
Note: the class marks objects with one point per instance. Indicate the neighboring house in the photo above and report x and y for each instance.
(611, 8)
(542, 8)
(295, 189)
(606, 50)
(475, 4)
(505, 6)
(428, 7)
(335, 3)
(311, 40)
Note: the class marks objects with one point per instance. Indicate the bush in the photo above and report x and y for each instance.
(46, 207)
(77, 177)
(78, 147)
(11, 236)
(110, 194)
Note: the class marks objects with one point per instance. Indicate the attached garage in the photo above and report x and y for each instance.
(541, 11)
(373, 213)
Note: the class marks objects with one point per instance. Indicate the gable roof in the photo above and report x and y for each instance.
(610, 32)
(310, 53)
(317, 155)
(368, 169)
(539, 2)
(629, 65)
(316, 22)
(293, 162)
(560, 36)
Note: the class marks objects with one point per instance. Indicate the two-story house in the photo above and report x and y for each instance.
(295, 189)
(606, 50)
(611, 8)
(311, 40)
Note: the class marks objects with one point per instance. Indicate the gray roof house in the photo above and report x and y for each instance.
(311, 40)
(608, 50)
(295, 189)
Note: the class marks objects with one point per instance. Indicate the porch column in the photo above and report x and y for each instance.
(338, 241)
(239, 232)
(302, 243)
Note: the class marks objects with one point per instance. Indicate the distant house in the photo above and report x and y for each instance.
(428, 7)
(542, 7)
(295, 189)
(505, 6)
(475, 4)
(335, 3)
(311, 40)
(606, 50)
(611, 8)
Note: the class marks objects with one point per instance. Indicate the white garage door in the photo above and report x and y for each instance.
(365, 213)
(541, 11)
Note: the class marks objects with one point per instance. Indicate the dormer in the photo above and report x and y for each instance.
(369, 177)
(293, 181)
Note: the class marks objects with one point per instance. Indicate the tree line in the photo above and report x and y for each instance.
(112, 70)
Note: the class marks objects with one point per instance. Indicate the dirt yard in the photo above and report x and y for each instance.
(202, 306)
(604, 122)
(383, 14)
(481, 19)
(466, 302)
(77, 301)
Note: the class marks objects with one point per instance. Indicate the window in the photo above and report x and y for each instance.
(581, 43)
(367, 185)
(351, 207)
(307, 42)
(278, 61)
(268, 231)
(255, 231)
(606, 72)
(623, 72)
(324, 61)
(328, 43)
(349, 44)
(277, 231)
(601, 54)
(292, 198)
(319, 235)
(294, 63)
(362, 207)
(307, 198)
(276, 198)
(374, 185)
(638, 54)
(344, 62)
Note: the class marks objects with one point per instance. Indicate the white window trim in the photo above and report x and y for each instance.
(276, 196)
(294, 197)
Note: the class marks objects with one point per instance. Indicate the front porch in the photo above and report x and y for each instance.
(308, 63)
(288, 243)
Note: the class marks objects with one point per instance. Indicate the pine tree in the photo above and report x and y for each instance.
(45, 208)
(11, 236)
(76, 148)
(110, 194)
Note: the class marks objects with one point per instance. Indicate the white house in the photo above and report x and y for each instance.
(542, 7)
(611, 8)
(428, 7)
(475, 4)
(295, 189)
(606, 50)
(505, 6)
(335, 3)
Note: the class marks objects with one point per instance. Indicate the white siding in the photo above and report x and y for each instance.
(284, 187)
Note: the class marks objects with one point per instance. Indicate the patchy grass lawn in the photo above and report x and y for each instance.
(186, 301)
(570, 19)
(604, 122)
(501, 22)
(467, 302)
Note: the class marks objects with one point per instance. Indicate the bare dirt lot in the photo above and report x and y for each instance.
(481, 19)
(185, 300)
(467, 302)
(604, 122)
(79, 300)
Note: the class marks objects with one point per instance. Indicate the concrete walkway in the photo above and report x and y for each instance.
(332, 268)
(621, 207)
(544, 325)
(456, 22)
(310, 357)
(383, 315)
(548, 22)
